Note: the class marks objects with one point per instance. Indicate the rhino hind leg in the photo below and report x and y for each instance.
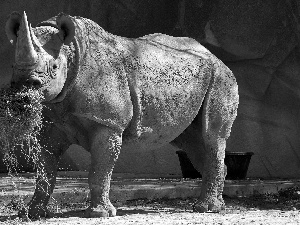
(53, 143)
(219, 113)
(105, 148)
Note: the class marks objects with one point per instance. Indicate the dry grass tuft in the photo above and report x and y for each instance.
(20, 123)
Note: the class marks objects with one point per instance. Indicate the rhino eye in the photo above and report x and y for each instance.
(54, 66)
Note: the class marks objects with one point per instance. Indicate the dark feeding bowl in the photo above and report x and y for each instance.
(237, 165)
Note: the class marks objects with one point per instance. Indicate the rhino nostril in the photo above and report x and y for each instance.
(13, 84)
(34, 82)
(16, 85)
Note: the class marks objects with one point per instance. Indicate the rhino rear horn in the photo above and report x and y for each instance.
(12, 26)
(67, 28)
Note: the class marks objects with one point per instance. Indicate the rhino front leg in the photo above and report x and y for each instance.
(105, 149)
(53, 145)
(45, 182)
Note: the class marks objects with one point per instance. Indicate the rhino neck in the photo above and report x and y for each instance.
(80, 43)
(73, 68)
(77, 49)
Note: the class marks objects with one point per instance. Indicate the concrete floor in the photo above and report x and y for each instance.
(74, 185)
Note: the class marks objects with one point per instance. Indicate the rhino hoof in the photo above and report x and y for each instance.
(200, 208)
(208, 207)
(34, 214)
(100, 212)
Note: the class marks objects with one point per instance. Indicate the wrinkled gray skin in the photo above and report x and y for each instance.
(105, 93)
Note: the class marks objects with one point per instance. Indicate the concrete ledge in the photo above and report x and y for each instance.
(73, 187)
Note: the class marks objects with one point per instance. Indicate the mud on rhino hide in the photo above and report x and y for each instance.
(108, 93)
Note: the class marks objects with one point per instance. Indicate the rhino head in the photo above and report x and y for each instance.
(40, 59)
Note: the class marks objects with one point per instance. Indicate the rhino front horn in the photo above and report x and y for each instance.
(25, 52)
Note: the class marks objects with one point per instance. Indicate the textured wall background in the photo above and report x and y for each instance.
(257, 39)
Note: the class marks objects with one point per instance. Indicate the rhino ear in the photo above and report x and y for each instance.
(66, 27)
(12, 26)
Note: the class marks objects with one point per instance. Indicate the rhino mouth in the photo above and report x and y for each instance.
(20, 116)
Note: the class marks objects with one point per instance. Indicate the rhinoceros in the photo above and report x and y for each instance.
(106, 93)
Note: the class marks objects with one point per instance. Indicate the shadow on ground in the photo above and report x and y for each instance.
(77, 214)
(287, 200)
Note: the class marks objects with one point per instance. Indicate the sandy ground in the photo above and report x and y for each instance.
(171, 217)
(266, 209)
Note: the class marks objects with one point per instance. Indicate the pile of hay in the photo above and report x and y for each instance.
(20, 121)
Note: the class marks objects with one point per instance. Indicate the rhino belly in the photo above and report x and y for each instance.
(154, 138)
